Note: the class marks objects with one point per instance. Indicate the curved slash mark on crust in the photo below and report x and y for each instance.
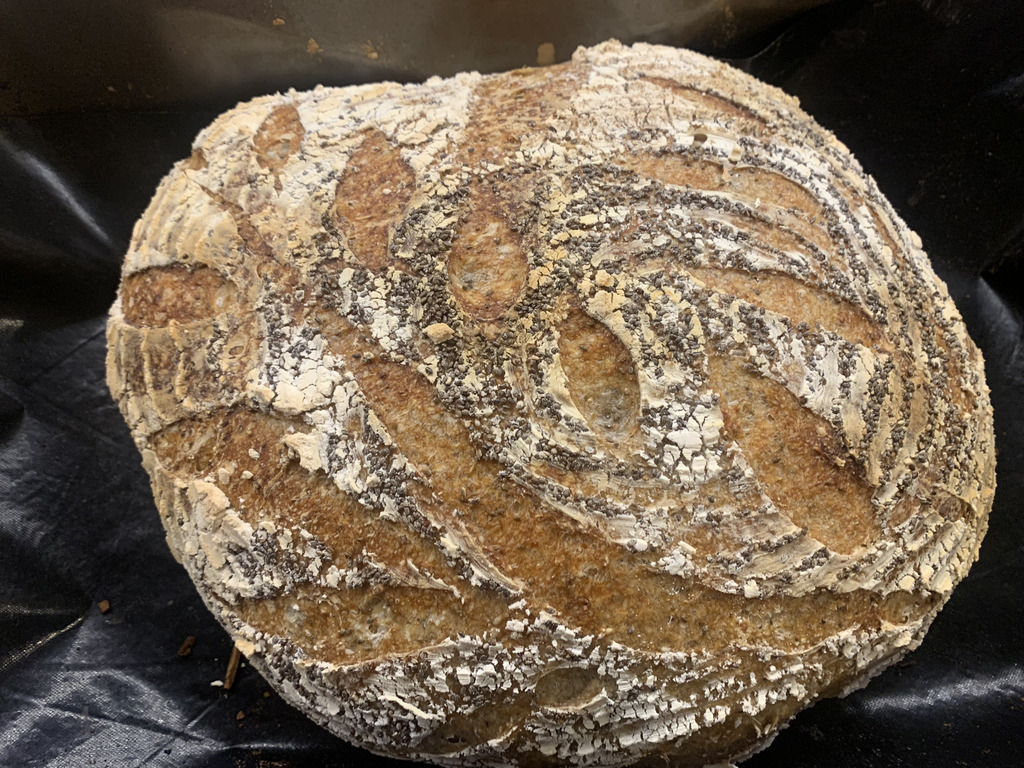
(403, 403)
(263, 482)
(736, 325)
(600, 375)
(251, 237)
(588, 581)
(279, 137)
(487, 266)
(374, 191)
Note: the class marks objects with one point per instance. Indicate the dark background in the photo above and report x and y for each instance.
(97, 100)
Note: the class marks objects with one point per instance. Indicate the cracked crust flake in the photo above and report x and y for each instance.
(595, 415)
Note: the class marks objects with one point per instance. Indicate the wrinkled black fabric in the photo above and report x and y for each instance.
(929, 95)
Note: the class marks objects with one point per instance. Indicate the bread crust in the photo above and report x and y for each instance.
(599, 414)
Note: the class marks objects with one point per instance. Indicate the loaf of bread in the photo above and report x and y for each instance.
(597, 414)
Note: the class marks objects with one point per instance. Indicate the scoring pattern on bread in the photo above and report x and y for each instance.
(593, 414)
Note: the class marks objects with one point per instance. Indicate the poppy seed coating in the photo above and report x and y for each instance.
(595, 414)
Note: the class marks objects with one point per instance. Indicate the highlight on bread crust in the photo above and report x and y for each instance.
(594, 415)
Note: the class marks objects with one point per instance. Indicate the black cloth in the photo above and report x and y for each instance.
(929, 95)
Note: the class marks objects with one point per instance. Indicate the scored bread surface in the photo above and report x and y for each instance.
(593, 414)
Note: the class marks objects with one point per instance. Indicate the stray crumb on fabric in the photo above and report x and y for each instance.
(545, 54)
(232, 671)
(313, 47)
(185, 649)
(104, 606)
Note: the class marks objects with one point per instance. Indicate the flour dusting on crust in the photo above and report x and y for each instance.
(577, 415)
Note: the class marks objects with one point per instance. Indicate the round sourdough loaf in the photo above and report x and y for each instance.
(596, 414)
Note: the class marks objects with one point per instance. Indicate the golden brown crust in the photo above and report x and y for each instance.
(597, 414)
